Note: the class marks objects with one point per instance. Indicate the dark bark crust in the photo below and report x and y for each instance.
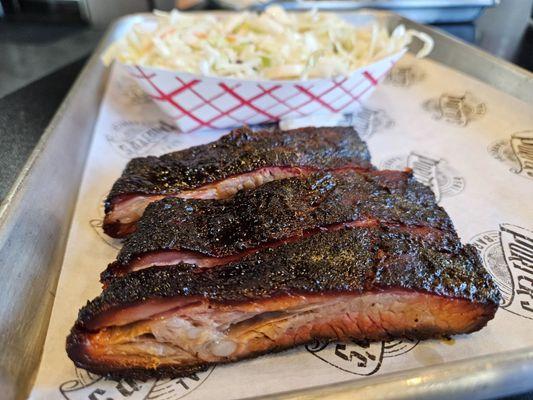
(412, 245)
(281, 209)
(346, 261)
(241, 151)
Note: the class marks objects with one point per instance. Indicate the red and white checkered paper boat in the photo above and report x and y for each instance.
(198, 102)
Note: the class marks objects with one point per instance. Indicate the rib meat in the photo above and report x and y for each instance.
(243, 159)
(372, 283)
(211, 233)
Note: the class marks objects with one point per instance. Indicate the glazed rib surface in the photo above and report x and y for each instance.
(376, 282)
(241, 159)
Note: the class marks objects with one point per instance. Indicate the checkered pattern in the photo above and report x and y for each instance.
(196, 102)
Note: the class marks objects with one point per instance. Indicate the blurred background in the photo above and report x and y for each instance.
(45, 43)
(39, 36)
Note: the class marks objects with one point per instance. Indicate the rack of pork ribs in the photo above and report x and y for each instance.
(263, 241)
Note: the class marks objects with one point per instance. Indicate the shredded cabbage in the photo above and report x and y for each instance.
(271, 45)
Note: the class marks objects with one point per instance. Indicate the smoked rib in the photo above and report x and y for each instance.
(241, 159)
(211, 233)
(366, 283)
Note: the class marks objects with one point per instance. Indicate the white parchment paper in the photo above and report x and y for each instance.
(472, 144)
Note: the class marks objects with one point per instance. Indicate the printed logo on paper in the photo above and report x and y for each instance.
(436, 173)
(359, 358)
(89, 386)
(137, 139)
(97, 225)
(131, 93)
(368, 121)
(516, 153)
(456, 109)
(405, 75)
(508, 256)
(365, 120)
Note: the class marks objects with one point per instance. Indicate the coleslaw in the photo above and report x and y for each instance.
(271, 45)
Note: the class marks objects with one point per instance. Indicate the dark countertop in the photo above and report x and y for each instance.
(26, 111)
(38, 64)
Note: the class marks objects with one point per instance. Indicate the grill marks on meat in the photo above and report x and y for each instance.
(243, 159)
(211, 233)
(364, 283)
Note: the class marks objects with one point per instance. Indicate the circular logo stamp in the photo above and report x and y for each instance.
(436, 173)
(405, 75)
(491, 252)
(98, 223)
(137, 139)
(515, 152)
(368, 121)
(132, 93)
(455, 109)
(508, 256)
(358, 358)
(90, 386)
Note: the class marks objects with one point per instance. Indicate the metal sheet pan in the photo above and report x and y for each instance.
(35, 219)
(429, 12)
